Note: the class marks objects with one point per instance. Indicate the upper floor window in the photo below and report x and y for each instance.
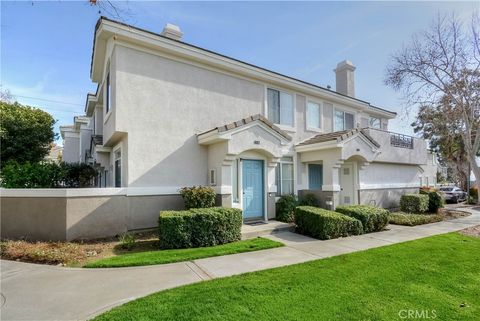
(374, 122)
(343, 120)
(280, 107)
(314, 116)
(108, 94)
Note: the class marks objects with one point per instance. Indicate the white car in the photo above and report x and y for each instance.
(453, 194)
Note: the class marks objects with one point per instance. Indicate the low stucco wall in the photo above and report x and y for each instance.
(86, 217)
(386, 198)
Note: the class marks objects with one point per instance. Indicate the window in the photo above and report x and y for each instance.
(343, 120)
(235, 181)
(284, 176)
(213, 177)
(118, 168)
(374, 122)
(314, 116)
(108, 94)
(315, 176)
(280, 107)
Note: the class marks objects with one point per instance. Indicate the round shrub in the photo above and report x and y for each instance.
(435, 200)
(285, 208)
(198, 196)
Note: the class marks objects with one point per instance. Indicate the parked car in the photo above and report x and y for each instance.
(453, 194)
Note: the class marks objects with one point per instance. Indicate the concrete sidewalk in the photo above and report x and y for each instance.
(40, 292)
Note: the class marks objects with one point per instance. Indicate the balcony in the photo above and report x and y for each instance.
(399, 148)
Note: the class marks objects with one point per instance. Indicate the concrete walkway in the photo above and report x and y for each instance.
(40, 292)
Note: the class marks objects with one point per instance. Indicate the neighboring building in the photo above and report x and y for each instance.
(168, 114)
(55, 153)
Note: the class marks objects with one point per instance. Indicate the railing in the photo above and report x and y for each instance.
(402, 141)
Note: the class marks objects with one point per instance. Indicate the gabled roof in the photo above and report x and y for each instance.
(338, 137)
(181, 44)
(245, 121)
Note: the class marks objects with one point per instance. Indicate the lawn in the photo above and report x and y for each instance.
(437, 275)
(177, 255)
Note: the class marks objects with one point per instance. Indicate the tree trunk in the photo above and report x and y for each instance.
(476, 172)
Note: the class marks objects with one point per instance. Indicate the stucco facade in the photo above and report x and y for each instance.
(172, 115)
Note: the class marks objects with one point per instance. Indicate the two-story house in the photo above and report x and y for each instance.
(168, 114)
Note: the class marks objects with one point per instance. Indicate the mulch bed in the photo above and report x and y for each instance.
(75, 253)
(450, 214)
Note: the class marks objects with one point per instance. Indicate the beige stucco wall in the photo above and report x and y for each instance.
(33, 218)
(88, 217)
(163, 104)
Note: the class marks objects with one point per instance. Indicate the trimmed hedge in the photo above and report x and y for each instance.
(400, 218)
(199, 227)
(324, 224)
(414, 203)
(373, 218)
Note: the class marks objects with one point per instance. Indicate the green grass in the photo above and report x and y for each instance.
(409, 219)
(177, 255)
(440, 273)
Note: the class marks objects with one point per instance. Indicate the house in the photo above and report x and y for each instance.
(168, 114)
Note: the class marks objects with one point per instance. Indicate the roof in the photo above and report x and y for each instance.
(247, 120)
(338, 137)
(227, 57)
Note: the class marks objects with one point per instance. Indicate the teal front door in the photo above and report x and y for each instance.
(252, 184)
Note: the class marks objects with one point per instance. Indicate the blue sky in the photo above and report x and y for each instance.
(46, 47)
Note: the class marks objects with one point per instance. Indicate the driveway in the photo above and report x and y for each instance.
(40, 292)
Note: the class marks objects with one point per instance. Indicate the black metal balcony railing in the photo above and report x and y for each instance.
(402, 141)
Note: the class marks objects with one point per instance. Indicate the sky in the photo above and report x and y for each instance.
(46, 47)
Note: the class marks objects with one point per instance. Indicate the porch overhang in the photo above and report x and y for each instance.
(339, 146)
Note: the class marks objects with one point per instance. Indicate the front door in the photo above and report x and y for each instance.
(252, 184)
(347, 188)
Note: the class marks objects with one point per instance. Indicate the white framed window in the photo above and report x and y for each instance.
(235, 173)
(118, 167)
(343, 120)
(280, 107)
(314, 115)
(374, 122)
(212, 177)
(284, 176)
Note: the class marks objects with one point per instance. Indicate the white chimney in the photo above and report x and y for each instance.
(172, 31)
(345, 78)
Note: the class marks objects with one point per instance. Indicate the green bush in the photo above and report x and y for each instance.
(46, 175)
(324, 224)
(308, 199)
(198, 196)
(414, 203)
(199, 227)
(435, 200)
(400, 218)
(373, 218)
(285, 208)
(473, 194)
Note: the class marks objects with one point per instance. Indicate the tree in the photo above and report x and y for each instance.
(440, 68)
(25, 133)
